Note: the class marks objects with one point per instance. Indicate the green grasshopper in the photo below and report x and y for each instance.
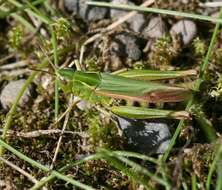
(129, 86)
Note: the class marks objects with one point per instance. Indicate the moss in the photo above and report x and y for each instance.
(103, 134)
(197, 161)
(163, 53)
(188, 6)
(62, 28)
(216, 91)
(104, 176)
(15, 36)
(199, 47)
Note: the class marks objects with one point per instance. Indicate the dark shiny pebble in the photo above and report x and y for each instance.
(146, 137)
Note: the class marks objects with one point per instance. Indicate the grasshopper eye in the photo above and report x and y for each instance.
(62, 78)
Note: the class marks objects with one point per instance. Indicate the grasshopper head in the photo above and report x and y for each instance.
(66, 78)
(66, 73)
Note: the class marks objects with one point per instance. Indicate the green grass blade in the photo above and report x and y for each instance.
(156, 75)
(72, 181)
(117, 163)
(194, 181)
(204, 124)
(52, 176)
(38, 13)
(155, 10)
(44, 168)
(135, 171)
(137, 155)
(19, 18)
(197, 85)
(15, 104)
(146, 113)
(219, 173)
(4, 14)
(213, 166)
(55, 56)
(144, 171)
(34, 12)
(23, 157)
(28, 81)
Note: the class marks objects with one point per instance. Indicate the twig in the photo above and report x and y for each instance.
(31, 36)
(44, 168)
(67, 110)
(111, 27)
(7, 57)
(15, 65)
(211, 4)
(34, 134)
(177, 171)
(118, 22)
(28, 81)
(14, 106)
(20, 170)
(128, 15)
(63, 129)
(14, 73)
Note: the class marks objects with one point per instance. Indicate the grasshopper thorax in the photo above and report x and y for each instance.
(89, 78)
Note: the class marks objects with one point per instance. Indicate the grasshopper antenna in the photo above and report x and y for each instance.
(35, 69)
(49, 60)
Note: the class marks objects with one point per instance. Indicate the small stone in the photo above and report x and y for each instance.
(186, 28)
(136, 22)
(88, 13)
(215, 15)
(185, 1)
(82, 104)
(10, 92)
(117, 13)
(145, 137)
(116, 63)
(72, 5)
(126, 45)
(155, 29)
